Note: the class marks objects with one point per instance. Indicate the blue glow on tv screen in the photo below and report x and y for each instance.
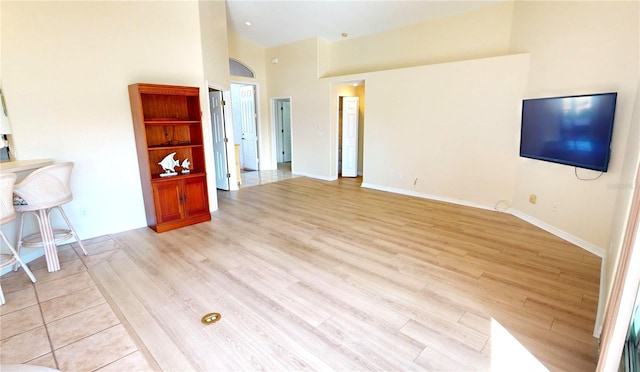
(571, 130)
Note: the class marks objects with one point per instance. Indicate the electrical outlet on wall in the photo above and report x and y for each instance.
(533, 198)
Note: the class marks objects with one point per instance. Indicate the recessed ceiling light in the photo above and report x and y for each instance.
(247, 23)
(344, 34)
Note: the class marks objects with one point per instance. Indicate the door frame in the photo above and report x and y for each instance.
(341, 89)
(274, 147)
(341, 140)
(277, 135)
(624, 289)
(223, 144)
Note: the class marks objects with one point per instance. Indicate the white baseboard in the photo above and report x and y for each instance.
(427, 196)
(27, 255)
(597, 329)
(523, 216)
(310, 175)
(559, 233)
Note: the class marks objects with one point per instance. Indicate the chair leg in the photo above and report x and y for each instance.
(19, 244)
(20, 236)
(2, 301)
(17, 257)
(73, 231)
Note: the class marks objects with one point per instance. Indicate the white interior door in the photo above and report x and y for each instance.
(283, 131)
(219, 140)
(349, 136)
(249, 135)
(279, 130)
(286, 130)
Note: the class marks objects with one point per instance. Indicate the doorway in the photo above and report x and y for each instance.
(245, 127)
(282, 113)
(348, 121)
(348, 144)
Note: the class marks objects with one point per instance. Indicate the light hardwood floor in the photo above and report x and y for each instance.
(320, 275)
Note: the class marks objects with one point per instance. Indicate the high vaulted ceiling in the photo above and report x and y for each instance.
(275, 23)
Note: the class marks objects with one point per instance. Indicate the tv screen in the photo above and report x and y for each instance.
(571, 130)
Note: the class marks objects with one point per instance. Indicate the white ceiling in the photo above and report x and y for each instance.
(280, 22)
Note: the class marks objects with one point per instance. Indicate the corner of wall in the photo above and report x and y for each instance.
(589, 247)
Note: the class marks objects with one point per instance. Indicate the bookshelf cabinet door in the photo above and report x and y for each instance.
(167, 198)
(195, 196)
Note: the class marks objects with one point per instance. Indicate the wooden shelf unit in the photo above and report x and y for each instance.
(168, 119)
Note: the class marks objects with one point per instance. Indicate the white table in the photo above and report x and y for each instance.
(23, 167)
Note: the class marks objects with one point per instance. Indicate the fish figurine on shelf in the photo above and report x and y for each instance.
(169, 164)
(185, 166)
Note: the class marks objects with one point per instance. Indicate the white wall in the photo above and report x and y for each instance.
(215, 64)
(476, 34)
(214, 42)
(0, 43)
(447, 131)
(626, 188)
(296, 76)
(480, 33)
(65, 71)
(578, 47)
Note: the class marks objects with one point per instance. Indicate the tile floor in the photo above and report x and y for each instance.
(63, 321)
(254, 178)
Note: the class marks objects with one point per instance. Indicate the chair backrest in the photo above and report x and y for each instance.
(45, 187)
(7, 212)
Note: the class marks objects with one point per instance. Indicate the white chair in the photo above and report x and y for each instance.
(8, 214)
(40, 193)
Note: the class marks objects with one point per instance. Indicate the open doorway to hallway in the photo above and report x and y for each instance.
(220, 131)
(348, 143)
(245, 126)
(350, 128)
(281, 145)
(282, 130)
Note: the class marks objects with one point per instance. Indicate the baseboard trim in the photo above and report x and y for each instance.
(523, 216)
(27, 255)
(559, 233)
(427, 196)
(310, 175)
(597, 328)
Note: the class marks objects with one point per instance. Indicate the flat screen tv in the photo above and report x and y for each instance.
(571, 130)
